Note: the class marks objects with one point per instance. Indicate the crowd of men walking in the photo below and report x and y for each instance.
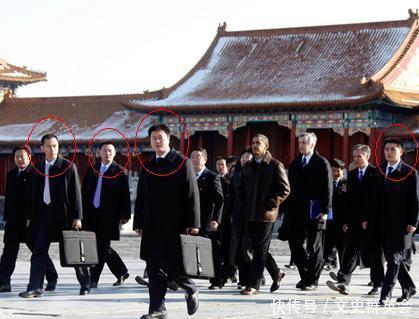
(366, 218)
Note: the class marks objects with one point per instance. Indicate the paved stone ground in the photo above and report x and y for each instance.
(131, 300)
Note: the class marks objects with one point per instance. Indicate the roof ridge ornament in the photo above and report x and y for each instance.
(222, 27)
(414, 15)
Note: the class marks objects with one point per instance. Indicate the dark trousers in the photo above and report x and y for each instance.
(8, 263)
(351, 259)
(396, 270)
(217, 256)
(109, 256)
(260, 236)
(244, 270)
(334, 244)
(159, 274)
(39, 260)
(309, 259)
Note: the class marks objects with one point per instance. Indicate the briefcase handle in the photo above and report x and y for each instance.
(198, 260)
(82, 251)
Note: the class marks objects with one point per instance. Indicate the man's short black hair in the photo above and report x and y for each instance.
(106, 143)
(337, 163)
(394, 140)
(22, 147)
(159, 127)
(246, 150)
(219, 158)
(48, 137)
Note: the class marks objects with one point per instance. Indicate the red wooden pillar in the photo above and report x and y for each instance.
(230, 140)
(346, 146)
(293, 142)
(371, 144)
(182, 143)
(379, 150)
(248, 140)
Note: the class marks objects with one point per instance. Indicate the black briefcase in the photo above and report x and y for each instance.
(197, 258)
(78, 249)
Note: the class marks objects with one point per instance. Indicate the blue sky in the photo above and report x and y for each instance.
(90, 47)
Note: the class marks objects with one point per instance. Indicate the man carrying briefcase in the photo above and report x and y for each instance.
(167, 205)
(56, 207)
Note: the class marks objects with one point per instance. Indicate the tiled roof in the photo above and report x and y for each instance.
(308, 66)
(19, 75)
(86, 115)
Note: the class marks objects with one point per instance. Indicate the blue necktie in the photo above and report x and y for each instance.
(96, 199)
(360, 175)
(389, 170)
(47, 194)
(304, 163)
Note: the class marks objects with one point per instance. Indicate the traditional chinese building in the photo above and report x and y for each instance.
(347, 83)
(344, 82)
(12, 76)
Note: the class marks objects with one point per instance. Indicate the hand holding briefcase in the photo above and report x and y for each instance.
(78, 249)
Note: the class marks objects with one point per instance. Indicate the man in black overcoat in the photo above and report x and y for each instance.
(106, 206)
(311, 180)
(211, 205)
(56, 206)
(397, 218)
(335, 238)
(362, 239)
(18, 199)
(167, 205)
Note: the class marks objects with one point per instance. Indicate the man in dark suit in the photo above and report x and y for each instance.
(263, 187)
(106, 206)
(229, 271)
(167, 205)
(211, 205)
(397, 218)
(311, 181)
(18, 199)
(362, 240)
(56, 206)
(335, 238)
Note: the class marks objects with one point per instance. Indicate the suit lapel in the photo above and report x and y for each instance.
(202, 178)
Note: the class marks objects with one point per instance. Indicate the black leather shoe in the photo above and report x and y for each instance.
(155, 315)
(5, 288)
(84, 291)
(309, 287)
(334, 276)
(234, 279)
(339, 287)
(276, 283)
(93, 285)
(215, 287)
(172, 285)
(290, 266)
(374, 291)
(383, 301)
(299, 285)
(141, 281)
(192, 302)
(51, 285)
(121, 280)
(31, 294)
(327, 267)
(406, 297)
